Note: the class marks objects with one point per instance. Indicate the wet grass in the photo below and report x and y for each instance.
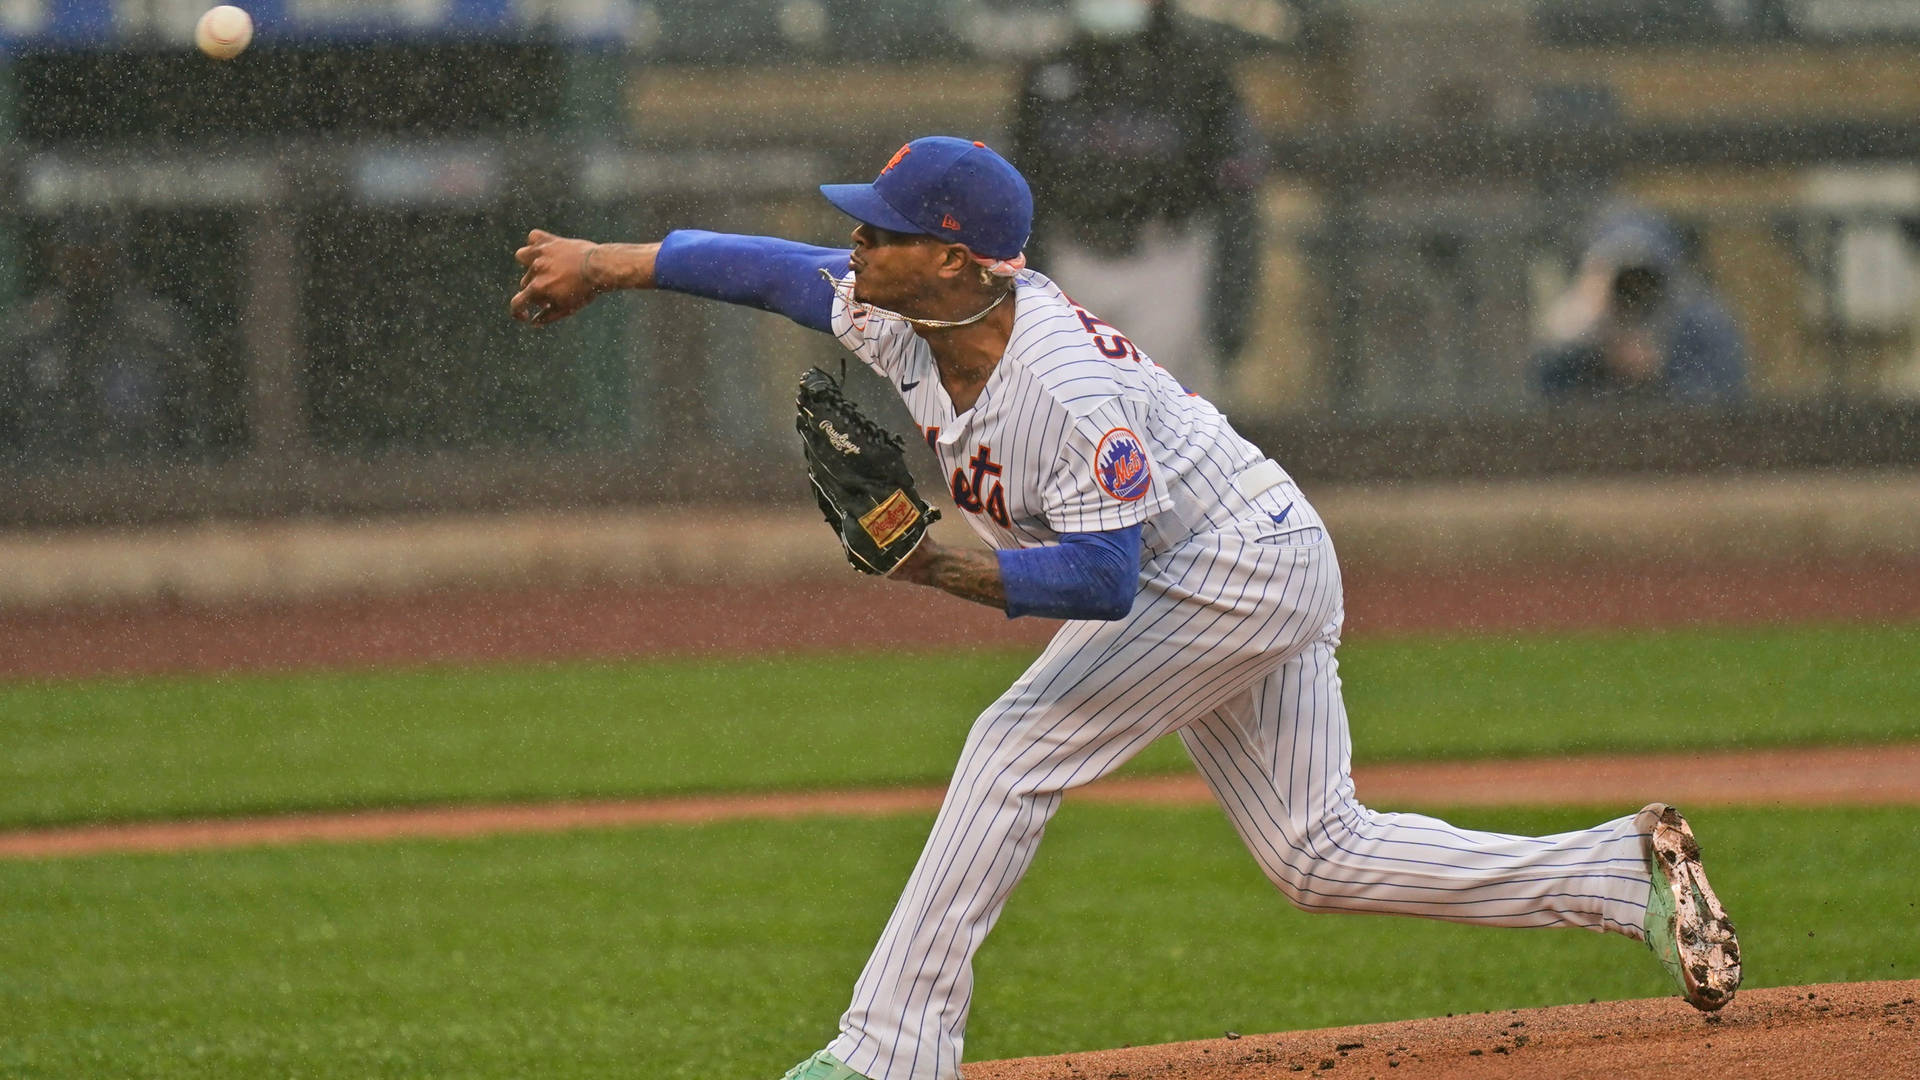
(729, 950)
(159, 747)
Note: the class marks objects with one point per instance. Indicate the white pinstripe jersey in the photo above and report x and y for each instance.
(1076, 430)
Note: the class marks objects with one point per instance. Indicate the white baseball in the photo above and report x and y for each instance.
(223, 32)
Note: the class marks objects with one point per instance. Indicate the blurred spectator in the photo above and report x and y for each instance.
(1145, 167)
(90, 365)
(1639, 323)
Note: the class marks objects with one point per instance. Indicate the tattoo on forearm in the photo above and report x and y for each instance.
(969, 575)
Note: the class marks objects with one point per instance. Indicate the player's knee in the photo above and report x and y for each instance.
(1307, 868)
(1298, 889)
(1313, 887)
(1290, 889)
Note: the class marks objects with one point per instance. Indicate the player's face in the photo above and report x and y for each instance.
(892, 269)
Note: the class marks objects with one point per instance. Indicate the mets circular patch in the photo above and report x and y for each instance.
(1121, 465)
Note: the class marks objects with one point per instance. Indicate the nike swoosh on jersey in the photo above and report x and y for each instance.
(1282, 515)
(906, 386)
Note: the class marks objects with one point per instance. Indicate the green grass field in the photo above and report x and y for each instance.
(127, 749)
(728, 950)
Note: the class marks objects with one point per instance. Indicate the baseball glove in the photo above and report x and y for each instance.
(860, 478)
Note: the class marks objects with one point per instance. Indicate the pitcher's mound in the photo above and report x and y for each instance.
(1839, 1029)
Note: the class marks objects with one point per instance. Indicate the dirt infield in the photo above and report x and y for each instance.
(854, 613)
(1784, 1033)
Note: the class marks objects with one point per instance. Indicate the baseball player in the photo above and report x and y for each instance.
(1199, 587)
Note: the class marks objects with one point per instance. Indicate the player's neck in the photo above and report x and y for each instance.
(967, 355)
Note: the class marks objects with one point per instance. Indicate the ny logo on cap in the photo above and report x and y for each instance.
(904, 150)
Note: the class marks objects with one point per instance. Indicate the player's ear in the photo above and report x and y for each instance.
(955, 260)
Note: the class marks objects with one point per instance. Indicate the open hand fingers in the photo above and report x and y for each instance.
(531, 307)
(547, 291)
(537, 241)
(528, 307)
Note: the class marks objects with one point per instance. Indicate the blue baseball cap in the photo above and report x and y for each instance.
(955, 189)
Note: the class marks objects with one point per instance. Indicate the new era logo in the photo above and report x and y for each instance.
(948, 223)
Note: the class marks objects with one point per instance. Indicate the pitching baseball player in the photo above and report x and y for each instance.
(1199, 587)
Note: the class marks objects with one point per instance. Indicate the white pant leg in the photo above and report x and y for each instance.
(1223, 612)
(1277, 759)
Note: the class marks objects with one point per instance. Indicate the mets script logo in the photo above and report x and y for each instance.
(977, 488)
(1121, 465)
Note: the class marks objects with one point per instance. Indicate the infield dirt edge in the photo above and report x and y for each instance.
(1865, 1029)
(1802, 776)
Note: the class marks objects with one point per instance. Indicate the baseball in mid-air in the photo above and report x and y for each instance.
(223, 32)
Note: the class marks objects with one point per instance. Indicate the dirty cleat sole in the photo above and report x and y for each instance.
(1687, 928)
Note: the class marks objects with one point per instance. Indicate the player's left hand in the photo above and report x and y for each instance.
(917, 567)
(860, 478)
(555, 283)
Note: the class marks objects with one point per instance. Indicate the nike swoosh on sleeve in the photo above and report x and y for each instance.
(906, 386)
(1282, 515)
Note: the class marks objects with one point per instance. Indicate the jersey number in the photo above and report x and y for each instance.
(968, 489)
(1114, 345)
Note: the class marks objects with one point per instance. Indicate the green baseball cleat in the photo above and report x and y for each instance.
(822, 1066)
(1687, 929)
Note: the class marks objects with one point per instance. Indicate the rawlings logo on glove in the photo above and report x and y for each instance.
(860, 478)
(836, 440)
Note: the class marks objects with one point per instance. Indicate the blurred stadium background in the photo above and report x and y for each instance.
(333, 213)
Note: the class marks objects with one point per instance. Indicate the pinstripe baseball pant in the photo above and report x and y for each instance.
(1232, 645)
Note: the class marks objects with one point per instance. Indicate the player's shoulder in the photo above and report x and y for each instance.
(1058, 353)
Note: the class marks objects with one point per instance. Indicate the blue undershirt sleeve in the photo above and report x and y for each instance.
(759, 271)
(1084, 576)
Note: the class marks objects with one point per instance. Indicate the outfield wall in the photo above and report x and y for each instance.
(1795, 517)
